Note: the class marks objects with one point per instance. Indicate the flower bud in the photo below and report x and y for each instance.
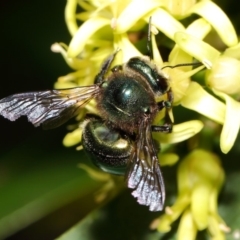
(73, 138)
(225, 75)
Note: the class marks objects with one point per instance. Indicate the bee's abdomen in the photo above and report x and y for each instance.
(108, 149)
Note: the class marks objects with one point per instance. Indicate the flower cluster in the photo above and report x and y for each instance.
(198, 188)
(99, 28)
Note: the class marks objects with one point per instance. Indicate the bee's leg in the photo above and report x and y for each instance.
(105, 68)
(166, 104)
(149, 39)
(167, 126)
(170, 96)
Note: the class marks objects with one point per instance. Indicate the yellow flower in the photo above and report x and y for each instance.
(85, 68)
(218, 20)
(101, 22)
(222, 75)
(198, 189)
(232, 122)
(112, 185)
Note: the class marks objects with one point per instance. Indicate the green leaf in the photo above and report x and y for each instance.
(38, 178)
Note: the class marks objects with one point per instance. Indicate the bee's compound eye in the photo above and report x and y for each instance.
(109, 149)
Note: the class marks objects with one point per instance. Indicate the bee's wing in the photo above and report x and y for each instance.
(144, 174)
(50, 108)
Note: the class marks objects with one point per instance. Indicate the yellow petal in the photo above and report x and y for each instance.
(74, 63)
(180, 205)
(166, 23)
(181, 132)
(73, 76)
(199, 28)
(213, 203)
(187, 229)
(232, 122)
(156, 54)
(172, 213)
(73, 138)
(199, 100)
(218, 19)
(133, 12)
(83, 34)
(165, 222)
(75, 79)
(195, 47)
(178, 8)
(70, 16)
(168, 159)
(86, 5)
(233, 52)
(128, 50)
(62, 85)
(101, 54)
(215, 230)
(200, 204)
(200, 164)
(184, 185)
(180, 80)
(178, 56)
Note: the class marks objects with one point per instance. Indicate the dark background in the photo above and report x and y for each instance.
(27, 30)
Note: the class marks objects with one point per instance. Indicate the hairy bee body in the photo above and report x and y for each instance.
(120, 102)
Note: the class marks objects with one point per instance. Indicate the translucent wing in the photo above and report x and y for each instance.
(50, 108)
(144, 174)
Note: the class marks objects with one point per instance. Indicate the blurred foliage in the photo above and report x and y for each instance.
(42, 192)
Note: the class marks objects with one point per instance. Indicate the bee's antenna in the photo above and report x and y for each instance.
(149, 39)
(196, 64)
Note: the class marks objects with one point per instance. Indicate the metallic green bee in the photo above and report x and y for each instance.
(119, 140)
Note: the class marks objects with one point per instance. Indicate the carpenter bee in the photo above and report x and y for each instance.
(119, 140)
